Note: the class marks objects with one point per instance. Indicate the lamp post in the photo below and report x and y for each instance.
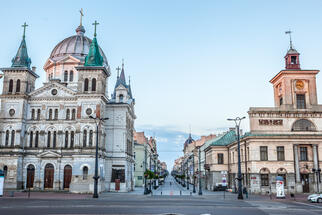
(199, 175)
(317, 172)
(97, 120)
(193, 172)
(187, 173)
(237, 121)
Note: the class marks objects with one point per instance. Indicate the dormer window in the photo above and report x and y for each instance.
(121, 97)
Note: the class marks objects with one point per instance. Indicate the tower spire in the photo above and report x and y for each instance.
(22, 59)
(94, 57)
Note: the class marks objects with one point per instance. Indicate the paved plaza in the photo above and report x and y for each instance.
(170, 202)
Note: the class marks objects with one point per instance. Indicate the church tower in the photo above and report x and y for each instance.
(294, 87)
(122, 90)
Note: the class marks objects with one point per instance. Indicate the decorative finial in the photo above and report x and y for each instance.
(118, 71)
(290, 32)
(123, 63)
(24, 29)
(81, 16)
(95, 24)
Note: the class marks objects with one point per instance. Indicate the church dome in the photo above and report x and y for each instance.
(189, 140)
(76, 46)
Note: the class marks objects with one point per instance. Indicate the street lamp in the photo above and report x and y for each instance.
(199, 175)
(97, 120)
(193, 172)
(187, 173)
(317, 172)
(237, 121)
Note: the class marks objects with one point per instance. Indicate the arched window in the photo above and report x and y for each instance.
(18, 86)
(84, 138)
(71, 75)
(72, 135)
(10, 86)
(66, 139)
(86, 85)
(50, 114)
(37, 139)
(85, 172)
(303, 125)
(121, 97)
(67, 114)
(94, 84)
(56, 114)
(7, 138)
(65, 76)
(54, 139)
(31, 138)
(33, 114)
(38, 114)
(73, 114)
(48, 139)
(91, 138)
(13, 137)
(5, 171)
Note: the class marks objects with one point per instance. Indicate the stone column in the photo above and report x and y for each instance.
(298, 185)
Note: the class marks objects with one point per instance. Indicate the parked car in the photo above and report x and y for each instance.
(315, 198)
(220, 187)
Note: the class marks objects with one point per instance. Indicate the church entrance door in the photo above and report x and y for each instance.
(305, 183)
(49, 176)
(67, 176)
(30, 176)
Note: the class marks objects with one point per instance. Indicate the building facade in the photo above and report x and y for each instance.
(47, 138)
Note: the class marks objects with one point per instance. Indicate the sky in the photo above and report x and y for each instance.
(192, 63)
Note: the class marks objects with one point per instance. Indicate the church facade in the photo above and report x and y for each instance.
(48, 135)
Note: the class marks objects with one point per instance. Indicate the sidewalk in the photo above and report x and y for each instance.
(44, 195)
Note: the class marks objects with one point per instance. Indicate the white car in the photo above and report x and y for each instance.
(315, 198)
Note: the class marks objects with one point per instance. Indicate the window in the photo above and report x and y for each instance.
(10, 86)
(71, 76)
(85, 172)
(13, 136)
(263, 153)
(118, 174)
(56, 114)
(50, 114)
(281, 100)
(264, 180)
(33, 114)
(7, 138)
(86, 85)
(31, 137)
(220, 158)
(71, 139)
(94, 84)
(84, 138)
(303, 153)
(303, 125)
(48, 138)
(73, 114)
(65, 76)
(18, 86)
(5, 171)
(67, 114)
(293, 59)
(90, 137)
(66, 139)
(280, 153)
(121, 97)
(38, 114)
(54, 139)
(241, 155)
(37, 139)
(300, 101)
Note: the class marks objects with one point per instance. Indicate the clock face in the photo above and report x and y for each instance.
(12, 112)
(299, 85)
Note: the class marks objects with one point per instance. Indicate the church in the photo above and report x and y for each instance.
(48, 135)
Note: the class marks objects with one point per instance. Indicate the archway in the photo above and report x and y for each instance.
(49, 176)
(30, 176)
(67, 176)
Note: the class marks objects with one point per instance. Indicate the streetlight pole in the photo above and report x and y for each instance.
(145, 167)
(317, 173)
(193, 172)
(237, 121)
(199, 179)
(188, 173)
(97, 120)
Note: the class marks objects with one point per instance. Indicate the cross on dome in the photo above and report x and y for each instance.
(24, 29)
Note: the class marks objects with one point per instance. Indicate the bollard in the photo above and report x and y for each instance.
(180, 193)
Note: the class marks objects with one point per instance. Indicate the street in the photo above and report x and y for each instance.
(170, 202)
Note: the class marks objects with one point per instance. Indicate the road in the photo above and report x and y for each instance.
(170, 202)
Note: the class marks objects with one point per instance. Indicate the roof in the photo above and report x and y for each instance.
(21, 59)
(224, 140)
(140, 137)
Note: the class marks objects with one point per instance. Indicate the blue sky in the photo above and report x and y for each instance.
(191, 62)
